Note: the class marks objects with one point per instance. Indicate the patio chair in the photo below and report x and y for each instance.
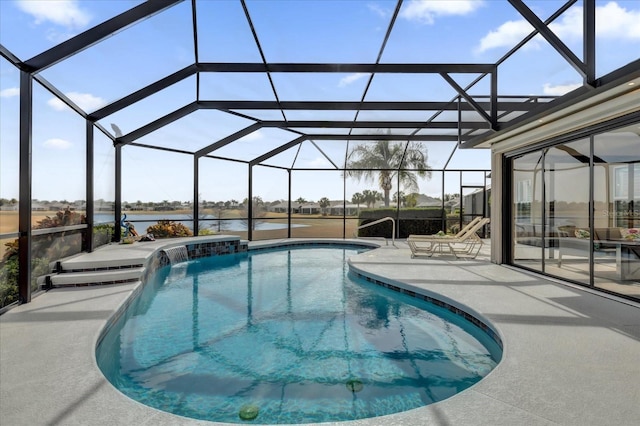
(462, 231)
(464, 244)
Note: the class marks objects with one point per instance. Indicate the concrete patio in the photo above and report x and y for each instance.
(571, 356)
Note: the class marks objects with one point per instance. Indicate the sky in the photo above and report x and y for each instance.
(349, 31)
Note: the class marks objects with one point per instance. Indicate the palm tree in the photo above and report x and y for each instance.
(300, 202)
(324, 203)
(357, 199)
(370, 197)
(389, 161)
(399, 198)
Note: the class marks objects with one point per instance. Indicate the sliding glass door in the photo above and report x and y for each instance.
(575, 211)
(566, 212)
(527, 211)
(617, 209)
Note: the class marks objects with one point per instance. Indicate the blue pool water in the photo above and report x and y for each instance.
(287, 336)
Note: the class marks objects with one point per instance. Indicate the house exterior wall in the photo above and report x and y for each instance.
(561, 193)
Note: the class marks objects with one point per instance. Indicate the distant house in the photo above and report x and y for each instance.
(309, 208)
(9, 207)
(105, 206)
(279, 207)
(477, 201)
(428, 201)
(164, 207)
(338, 208)
(38, 207)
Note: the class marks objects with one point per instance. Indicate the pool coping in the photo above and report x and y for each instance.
(570, 356)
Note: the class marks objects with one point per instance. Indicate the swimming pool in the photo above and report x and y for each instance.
(286, 336)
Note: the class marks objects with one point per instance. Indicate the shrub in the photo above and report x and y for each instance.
(44, 249)
(169, 229)
(102, 234)
(424, 221)
(62, 218)
(9, 275)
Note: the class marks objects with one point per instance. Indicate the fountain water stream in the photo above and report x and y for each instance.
(177, 254)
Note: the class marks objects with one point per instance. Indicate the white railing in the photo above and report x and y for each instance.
(384, 219)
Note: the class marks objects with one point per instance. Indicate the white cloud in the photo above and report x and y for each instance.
(612, 21)
(56, 143)
(319, 162)
(379, 10)
(345, 81)
(253, 136)
(569, 25)
(507, 35)
(615, 21)
(10, 92)
(425, 11)
(56, 37)
(60, 12)
(86, 101)
(559, 90)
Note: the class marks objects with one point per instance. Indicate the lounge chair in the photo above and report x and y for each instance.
(462, 231)
(464, 244)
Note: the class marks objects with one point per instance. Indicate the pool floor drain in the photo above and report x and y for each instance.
(248, 412)
(354, 385)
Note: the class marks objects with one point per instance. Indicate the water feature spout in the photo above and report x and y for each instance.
(177, 254)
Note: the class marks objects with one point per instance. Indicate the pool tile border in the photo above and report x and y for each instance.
(216, 248)
(300, 244)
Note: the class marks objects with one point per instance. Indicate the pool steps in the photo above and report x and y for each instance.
(75, 279)
(126, 263)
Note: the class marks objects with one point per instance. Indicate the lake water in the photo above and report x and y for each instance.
(142, 221)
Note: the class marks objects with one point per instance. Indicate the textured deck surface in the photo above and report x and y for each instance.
(571, 357)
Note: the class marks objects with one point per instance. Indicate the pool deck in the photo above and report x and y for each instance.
(571, 356)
